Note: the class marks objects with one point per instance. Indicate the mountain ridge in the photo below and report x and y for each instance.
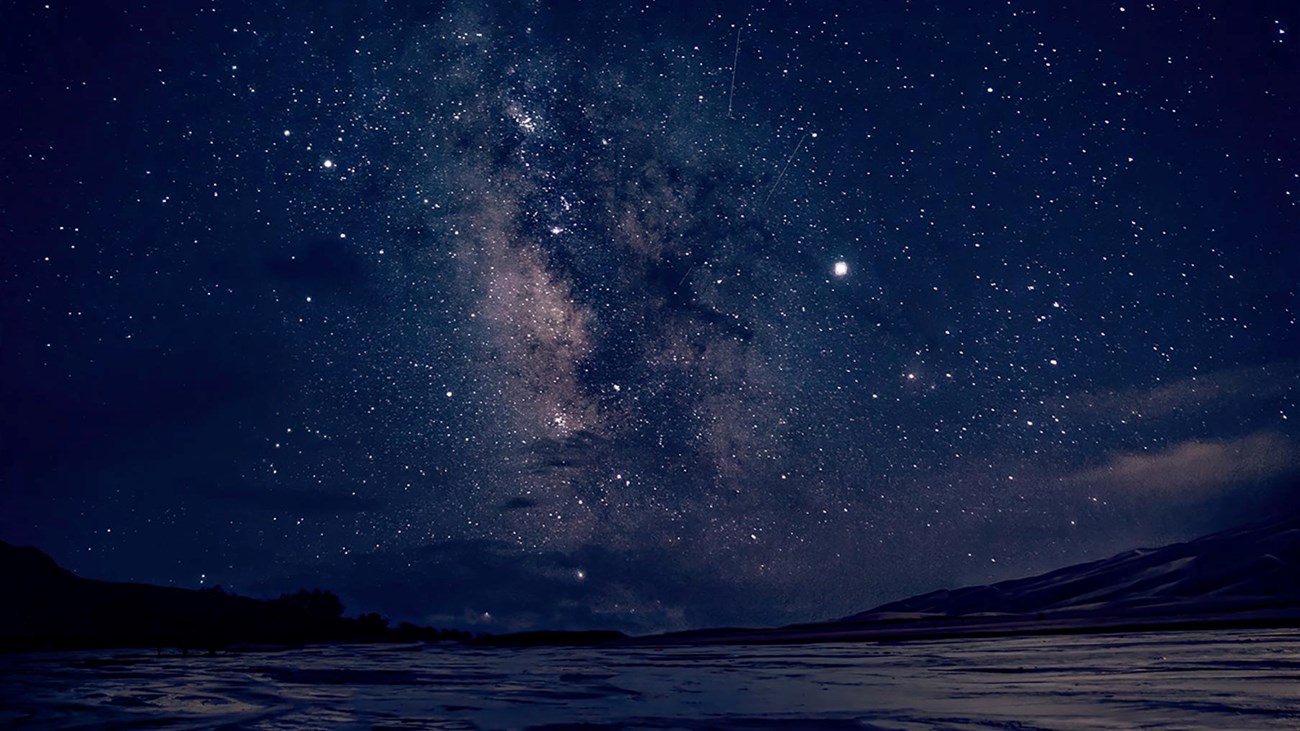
(49, 607)
(1244, 576)
(1210, 565)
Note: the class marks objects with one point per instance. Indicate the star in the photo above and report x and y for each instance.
(543, 264)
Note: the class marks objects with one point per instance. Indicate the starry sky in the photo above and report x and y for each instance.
(645, 316)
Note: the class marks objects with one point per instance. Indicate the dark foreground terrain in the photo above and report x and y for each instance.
(1065, 650)
(1237, 679)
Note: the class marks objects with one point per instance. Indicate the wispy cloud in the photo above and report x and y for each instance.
(1227, 387)
(1197, 466)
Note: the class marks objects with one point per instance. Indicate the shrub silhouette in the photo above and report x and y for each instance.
(46, 606)
(312, 605)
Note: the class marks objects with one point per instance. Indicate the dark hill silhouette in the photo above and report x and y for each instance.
(1242, 577)
(46, 606)
(1250, 567)
(1246, 576)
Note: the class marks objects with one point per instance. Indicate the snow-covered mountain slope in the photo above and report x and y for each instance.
(1254, 566)
(1243, 577)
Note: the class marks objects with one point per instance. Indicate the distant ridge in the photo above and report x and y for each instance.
(1247, 576)
(1241, 577)
(1248, 567)
(45, 606)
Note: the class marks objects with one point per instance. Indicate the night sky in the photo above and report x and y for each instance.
(525, 314)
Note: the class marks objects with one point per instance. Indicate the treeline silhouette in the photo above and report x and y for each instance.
(45, 606)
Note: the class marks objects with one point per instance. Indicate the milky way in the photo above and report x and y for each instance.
(524, 314)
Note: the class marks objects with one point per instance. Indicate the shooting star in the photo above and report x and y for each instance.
(735, 57)
(787, 167)
(687, 274)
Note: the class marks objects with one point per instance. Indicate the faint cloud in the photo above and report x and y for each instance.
(500, 587)
(1196, 466)
(517, 503)
(580, 450)
(1228, 387)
